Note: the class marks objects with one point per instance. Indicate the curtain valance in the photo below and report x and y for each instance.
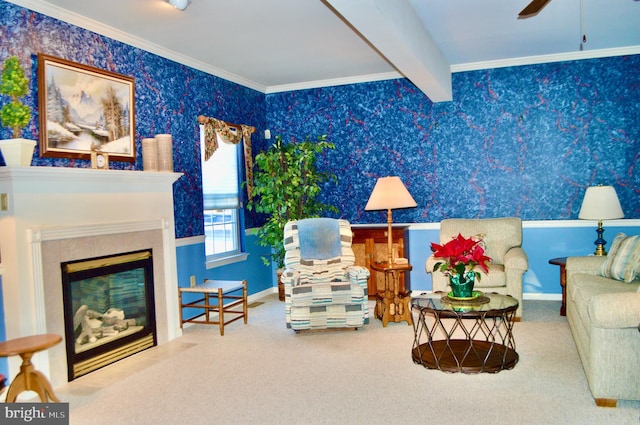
(232, 134)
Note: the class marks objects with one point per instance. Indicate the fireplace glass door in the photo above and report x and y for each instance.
(109, 310)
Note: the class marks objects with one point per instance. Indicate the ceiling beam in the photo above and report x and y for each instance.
(395, 30)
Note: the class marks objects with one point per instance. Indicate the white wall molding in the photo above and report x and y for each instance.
(132, 40)
(558, 57)
(92, 25)
(540, 224)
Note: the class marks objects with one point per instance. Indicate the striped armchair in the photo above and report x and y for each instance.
(322, 286)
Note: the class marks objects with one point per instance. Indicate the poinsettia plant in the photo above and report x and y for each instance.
(460, 256)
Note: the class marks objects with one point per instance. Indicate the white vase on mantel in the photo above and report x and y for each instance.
(17, 152)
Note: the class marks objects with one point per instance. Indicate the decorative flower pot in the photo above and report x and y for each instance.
(462, 286)
(17, 152)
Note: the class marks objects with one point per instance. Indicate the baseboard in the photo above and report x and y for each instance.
(534, 296)
(261, 294)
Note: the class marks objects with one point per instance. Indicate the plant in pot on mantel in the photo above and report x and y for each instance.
(287, 183)
(15, 114)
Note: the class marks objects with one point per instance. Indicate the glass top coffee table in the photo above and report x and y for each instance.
(468, 336)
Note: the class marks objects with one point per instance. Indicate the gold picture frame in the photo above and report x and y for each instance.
(85, 109)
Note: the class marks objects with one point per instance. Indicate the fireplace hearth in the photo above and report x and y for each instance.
(108, 308)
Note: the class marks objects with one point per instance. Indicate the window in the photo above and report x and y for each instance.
(222, 205)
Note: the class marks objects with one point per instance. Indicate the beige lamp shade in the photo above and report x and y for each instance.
(390, 193)
(600, 203)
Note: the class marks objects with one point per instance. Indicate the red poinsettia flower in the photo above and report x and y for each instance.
(461, 255)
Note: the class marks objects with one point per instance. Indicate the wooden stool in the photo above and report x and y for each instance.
(220, 289)
(29, 379)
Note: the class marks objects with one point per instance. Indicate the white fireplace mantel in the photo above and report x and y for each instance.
(55, 203)
(31, 189)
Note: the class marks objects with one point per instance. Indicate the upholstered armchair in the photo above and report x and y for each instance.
(323, 288)
(503, 243)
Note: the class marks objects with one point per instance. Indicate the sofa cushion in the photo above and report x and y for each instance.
(586, 286)
(623, 261)
(327, 316)
(615, 311)
(321, 271)
(496, 278)
(327, 293)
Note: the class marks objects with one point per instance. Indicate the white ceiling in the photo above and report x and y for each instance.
(277, 45)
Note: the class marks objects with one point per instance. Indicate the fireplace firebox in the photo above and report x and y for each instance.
(109, 311)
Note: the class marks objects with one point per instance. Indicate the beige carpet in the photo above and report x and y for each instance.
(263, 373)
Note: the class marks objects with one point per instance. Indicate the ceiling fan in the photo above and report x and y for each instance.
(534, 8)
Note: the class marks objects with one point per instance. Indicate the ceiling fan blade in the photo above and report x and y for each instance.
(533, 9)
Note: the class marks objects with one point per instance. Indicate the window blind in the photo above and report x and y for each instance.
(220, 176)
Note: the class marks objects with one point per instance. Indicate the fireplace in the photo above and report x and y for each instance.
(109, 310)
(57, 215)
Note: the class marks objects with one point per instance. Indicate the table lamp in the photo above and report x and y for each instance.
(389, 193)
(600, 203)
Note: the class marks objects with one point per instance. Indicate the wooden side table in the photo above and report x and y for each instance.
(562, 262)
(392, 304)
(370, 245)
(29, 379)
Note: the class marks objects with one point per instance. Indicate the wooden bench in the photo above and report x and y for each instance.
(222, 290)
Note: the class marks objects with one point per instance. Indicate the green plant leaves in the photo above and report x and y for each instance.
(15, 84)
(287, 183)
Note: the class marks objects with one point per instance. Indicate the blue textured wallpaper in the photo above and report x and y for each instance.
(521, 141)
(169, 97)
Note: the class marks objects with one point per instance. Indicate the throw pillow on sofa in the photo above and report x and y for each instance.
(623, 261)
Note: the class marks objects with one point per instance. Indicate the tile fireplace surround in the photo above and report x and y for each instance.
(56, 214)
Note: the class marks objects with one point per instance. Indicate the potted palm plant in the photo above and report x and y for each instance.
(287, 183)
(15, 114)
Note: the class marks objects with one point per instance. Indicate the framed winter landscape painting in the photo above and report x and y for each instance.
(84, 110)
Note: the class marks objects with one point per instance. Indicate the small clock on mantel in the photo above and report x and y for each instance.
(100, 160)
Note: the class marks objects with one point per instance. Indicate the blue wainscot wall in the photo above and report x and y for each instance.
(191, 262)
(542, 241)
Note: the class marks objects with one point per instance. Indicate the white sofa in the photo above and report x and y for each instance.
(603, 316)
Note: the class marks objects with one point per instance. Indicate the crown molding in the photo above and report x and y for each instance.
(92, 25)
(557, 57)
(472, 66)
(334, 82)
(124, 37)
